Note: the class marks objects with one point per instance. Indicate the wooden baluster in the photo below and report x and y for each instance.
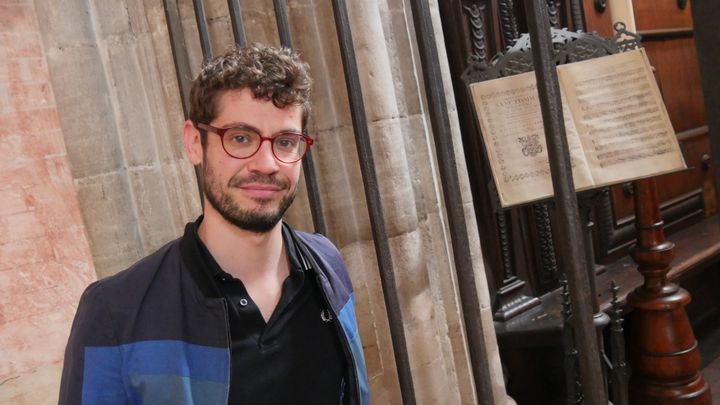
(663, 349)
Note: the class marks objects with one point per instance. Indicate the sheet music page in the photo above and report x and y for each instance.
(511, 122)
(624, 126)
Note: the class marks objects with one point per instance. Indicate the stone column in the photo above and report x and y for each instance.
(45, 260)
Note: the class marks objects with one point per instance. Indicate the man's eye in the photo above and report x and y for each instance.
(287, 142)
(239, 138)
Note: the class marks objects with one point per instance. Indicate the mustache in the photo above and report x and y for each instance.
(237, 181)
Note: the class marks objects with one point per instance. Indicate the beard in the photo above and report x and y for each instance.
(257, 220)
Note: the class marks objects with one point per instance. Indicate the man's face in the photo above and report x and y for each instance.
(252, 193)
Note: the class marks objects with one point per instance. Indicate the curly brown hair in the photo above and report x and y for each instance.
(274, 74)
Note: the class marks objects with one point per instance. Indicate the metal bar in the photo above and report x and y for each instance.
(442, 136)
(179, 51)
(569, 352)
(572, 254)
(372, 196)
(281, 17)
(237, 22)
(202, 25)
(182, 64)
(617, 348)
(311, 184)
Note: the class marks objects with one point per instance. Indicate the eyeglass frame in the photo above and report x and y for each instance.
(222, 131)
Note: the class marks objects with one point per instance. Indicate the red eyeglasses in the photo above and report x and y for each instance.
(242, 143)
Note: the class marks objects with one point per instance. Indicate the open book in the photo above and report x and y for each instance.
(617, 127)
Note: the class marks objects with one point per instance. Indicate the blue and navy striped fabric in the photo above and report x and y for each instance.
(158, 371)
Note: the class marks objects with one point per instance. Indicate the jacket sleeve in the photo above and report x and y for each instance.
(93, 360)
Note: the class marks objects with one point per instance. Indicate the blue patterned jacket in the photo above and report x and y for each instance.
(158, 333)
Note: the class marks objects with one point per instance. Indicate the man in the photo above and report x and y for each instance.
(242, 309)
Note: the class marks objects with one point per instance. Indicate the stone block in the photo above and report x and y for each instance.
(182, 190)
(6, 103)
(338, 170)
(67, 26)
(404, 61)
(11, 147)
(28, 96)
(5, 67)
(24, 306)
(371, 53)
(19, 253)
(26, 122)
(259, 20)
(25, 278)
(299, 214)
(35, 340)
(111, 225)
(166, 107)
(23, 172)
(47, 143)
(40, 386)
(164, 115)
(152, 207)
(423, 176)
(17, 18)
(134, 123)
(12, 201)
(87, 122)
(393, 176)
(111, 19)
(24, 225)
(21, 45)
(73, 248)
(315, 38)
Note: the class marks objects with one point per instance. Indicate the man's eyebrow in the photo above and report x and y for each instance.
(248, 127)
(242, 125)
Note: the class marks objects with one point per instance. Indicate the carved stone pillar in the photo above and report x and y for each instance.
(664, 353)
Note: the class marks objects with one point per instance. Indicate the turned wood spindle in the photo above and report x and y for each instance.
(663, 350)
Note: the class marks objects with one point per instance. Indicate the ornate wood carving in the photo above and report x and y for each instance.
(510, 299)
(475, 13)
(548, 269)
(554, 12)
(508, 22)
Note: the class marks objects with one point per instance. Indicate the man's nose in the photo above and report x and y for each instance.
(264, 160)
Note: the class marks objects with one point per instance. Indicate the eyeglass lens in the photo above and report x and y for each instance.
(287, 147)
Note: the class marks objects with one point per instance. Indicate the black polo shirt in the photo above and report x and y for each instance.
(294, 358)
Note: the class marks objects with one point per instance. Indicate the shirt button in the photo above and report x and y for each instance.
(243, 302)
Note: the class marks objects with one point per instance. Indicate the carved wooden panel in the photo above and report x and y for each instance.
(662, 15)
(676, 64)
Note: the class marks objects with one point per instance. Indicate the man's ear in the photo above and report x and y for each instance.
(193, 143)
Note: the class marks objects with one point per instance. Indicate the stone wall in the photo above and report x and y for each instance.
(120, 110)
(45, 260)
